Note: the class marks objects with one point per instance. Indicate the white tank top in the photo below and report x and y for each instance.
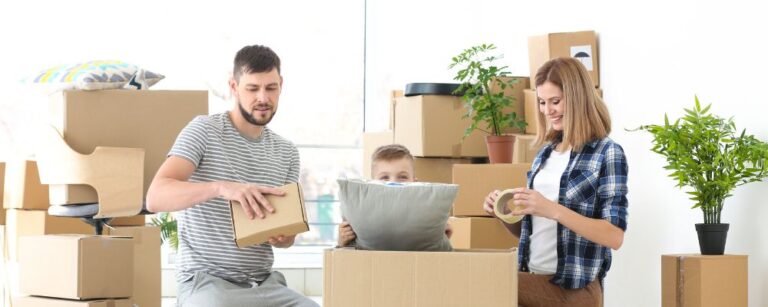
(543, 250)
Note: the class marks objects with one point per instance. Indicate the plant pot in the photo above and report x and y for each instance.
(500, 148)
(712, 238)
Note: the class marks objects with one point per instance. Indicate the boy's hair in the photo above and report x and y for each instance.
(390, 152)
(254, 59)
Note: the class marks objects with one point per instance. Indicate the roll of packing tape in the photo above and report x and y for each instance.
(502, 207)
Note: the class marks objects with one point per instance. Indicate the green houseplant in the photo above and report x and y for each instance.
(168, 229)
(477, 74)
(705, 153)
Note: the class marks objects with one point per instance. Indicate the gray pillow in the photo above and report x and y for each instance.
(398, 216)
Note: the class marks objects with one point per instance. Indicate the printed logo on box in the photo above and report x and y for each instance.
(583, 54)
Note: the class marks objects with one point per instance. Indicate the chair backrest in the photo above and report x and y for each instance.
(115, 173)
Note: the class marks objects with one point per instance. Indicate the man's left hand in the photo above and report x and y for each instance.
(282, 241)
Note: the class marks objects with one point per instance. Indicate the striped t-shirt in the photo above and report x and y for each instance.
(220, 153)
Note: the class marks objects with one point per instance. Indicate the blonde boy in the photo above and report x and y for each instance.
(388, 163)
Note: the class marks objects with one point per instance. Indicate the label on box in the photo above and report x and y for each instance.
(583, 54)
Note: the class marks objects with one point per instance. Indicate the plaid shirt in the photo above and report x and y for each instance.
(594, 184)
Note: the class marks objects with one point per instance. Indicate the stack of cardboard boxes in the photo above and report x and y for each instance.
(149, 120)
(542, 48)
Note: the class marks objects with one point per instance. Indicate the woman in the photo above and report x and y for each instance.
(575, 205)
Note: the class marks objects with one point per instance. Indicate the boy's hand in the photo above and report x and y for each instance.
(346, 234)
(448, 230)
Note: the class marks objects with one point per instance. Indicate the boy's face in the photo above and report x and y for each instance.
(399, 170)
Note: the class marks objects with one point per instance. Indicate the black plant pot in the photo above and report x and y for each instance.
(712, 238)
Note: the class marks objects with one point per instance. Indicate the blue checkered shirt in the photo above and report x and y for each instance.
(594, 184)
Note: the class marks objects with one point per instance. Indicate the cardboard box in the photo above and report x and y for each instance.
(354, 278)
(138, 220)
(516, 91)
(480, 233)
(146, 263)
(433, 126)
(85, 267)
(704, 281)
(21, 223)
(117, 118)
(524, 151)
(437, 169)
(531, 111)
(289, 218)
(580, 45)
(23, 189)
(532, 108)
(477, 180)
(36, 301)
(372, 141)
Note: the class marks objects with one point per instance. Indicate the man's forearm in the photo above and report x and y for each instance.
(168, 195)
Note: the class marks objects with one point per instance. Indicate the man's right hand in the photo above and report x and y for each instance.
(250, 196)
(346, 234)
(489, 201)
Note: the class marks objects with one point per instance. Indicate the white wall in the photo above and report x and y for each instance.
(654, 56)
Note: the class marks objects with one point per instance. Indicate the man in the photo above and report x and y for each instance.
(223, 157)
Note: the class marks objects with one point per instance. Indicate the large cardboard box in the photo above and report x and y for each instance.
(704, 281)
(20, 223)
(480, 233)
(516, 91)
(579, 45)
(433, 126)
(524, 151)
(532, 108)
(36, 301)
(146, 263)
(76, 266)
(289, 218)
(477, 180)
(23, 189)
(117, 118)
(354, 278)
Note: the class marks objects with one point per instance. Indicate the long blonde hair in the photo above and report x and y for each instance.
(585, 117)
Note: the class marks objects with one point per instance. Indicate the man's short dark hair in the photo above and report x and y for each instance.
(254, 59)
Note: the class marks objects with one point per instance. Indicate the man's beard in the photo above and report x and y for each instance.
(249, 117)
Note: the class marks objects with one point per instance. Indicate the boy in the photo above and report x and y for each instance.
(389, 163)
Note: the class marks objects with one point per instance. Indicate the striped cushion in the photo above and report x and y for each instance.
(96, 75)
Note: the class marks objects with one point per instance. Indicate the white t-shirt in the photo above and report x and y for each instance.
(543, 254)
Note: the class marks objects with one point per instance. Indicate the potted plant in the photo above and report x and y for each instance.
(168, 230)
(477, 73)
(705, 153)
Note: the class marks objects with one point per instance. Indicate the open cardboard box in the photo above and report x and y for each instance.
(475, 278)
(289, 218)
(117, 174)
